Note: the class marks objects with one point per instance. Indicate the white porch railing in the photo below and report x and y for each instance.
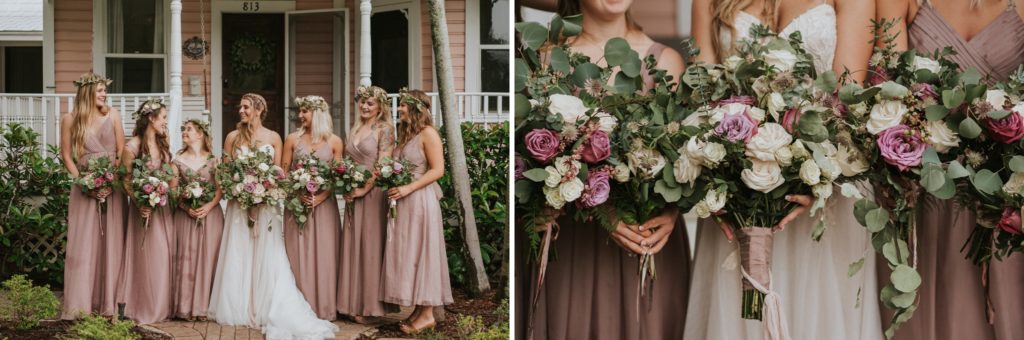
(42, 112)
(475, 107)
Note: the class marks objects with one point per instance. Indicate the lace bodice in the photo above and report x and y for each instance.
(817, 26)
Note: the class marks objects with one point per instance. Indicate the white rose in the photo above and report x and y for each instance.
(941, 137)
(695, 119)
(996, 98)
(257, 200)
(554, 177)
(822, 191)
(763, 176)
(622, 173)
(238, 188)
(645, 163)
(851, 162)
(1015, 185)
(571, 108)
(769, 138)
(885, 115)
(715, 200)
(784, 156)
(922, 63)
(810, 173)
(781, 60)
(606, 122)
(571, 190)
(258, 189)
(713, 154)
(154, 200)
(358, 176)
(694, 150)
(776, 105)
(799, 151)
(701, 209)
(249, 179)
(732, 62)
(197, 191)
(686, 170)
(756, 113)
(385, 171)
(554, 197)
(1019, 108)
(263, 167)
(829, 168)
(858, 109)
(730, 109)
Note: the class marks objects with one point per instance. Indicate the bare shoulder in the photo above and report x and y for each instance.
(335, 140)
(292, 137)
(671, 60)
(430, 134)
(133, 142)
(67, 120)
(231, 137)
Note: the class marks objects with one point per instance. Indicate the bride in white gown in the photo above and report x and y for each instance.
(819, 299)
(254, 285)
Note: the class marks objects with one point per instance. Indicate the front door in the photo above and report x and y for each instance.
(253, 61)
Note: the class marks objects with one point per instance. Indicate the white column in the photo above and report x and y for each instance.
(364, 42)
(174, 115)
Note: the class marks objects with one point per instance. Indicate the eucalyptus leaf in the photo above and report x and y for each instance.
(987, 182)
(812, 128)
(861, 209)
(818, 231)
(970, 77)
(877, 219)
(523, 191)
(953, 98)
(616, 51)
(632, 65)
(624, 84)
(905, 279)
(955, 170)
(892, 90)
(522, 107)
(670, 194)
(932, 177)
(533, 34)
(560, 60)
(998, 114)
(849, 190)
(536, 175)
(827, 82)
(585, 72)
(969, 128)
(1017, 163)
(936, 112)
(572, 25)
(855, 267)
(848, 94)
(930, 156)
(904, 300)
(522, 74)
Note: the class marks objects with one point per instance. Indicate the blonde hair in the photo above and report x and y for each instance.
(381, 96)
(419, 116)
(245, 129)
(201, 127)
(723, 14)
(84, 109)
(321, 127)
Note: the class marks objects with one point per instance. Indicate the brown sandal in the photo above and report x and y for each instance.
(408, 328)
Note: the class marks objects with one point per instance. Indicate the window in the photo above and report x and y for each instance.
(135, 57)
(494, 46)
(22, 69)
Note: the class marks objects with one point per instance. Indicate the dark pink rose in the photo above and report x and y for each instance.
(924, 91)
(790, 119)
(520, 167)
(542, 144)
(597, 148)
(745, 100)
(161, 189)
(1010, 222)
(97, 182)
(267, 185)
(146, 188)
(901, 146)
(1007, 130)
(341, 169)
(877, 76)
(736, 127)
(596, 190)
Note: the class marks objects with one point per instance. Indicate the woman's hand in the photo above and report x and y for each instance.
(359, 192)
(100, 194)
(200, 212)
(145, 211)
(309, 200)
(660, 228)
(805, 203)
(629, 237)
(399, 192)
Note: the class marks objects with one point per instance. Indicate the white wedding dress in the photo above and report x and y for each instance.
(819, 300)
(254, 285)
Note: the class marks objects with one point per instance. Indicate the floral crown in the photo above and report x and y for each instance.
(314, 103)
(374, 92)
(148, 108)
(410, 100)
(201, 124)
(92, 78)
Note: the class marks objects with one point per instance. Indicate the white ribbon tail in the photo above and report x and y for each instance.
(773, 315)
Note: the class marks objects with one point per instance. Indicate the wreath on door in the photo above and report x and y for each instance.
(252, 54)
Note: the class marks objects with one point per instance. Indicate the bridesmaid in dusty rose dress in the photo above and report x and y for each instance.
(95, 238)
(198, 230)
(146, 276)
(313, 249)
(362, 238)
(987, 35)
(415, 262)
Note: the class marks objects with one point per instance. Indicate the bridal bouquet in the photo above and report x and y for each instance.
(392, 173)
(251, 179)
(150, 187)
(308, 177)
(349, 175)
(195, 192)
(97, 175)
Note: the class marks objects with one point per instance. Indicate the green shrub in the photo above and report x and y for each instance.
(487, 159)
(23, 305)
(95, 327)
(33, 205)
(473, 328)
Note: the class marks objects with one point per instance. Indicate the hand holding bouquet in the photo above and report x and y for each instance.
(150, 187)
(308, 177)
(392, 173)
(349, 176)
(194, 192)
(98, 175)
(251, 179)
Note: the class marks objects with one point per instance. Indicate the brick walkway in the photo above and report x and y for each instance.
(210, 330)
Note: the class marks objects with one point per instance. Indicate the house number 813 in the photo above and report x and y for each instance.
(251, 6)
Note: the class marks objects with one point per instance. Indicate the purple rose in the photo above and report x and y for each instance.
(597, 148)
(597, 189)
(520, 167)
(542, 144)
(249, 187)
(901, 146)
(1010, 222)
(146, 188)
(398, 167)
(790, 119)
(736, 127)
(745, 100)
(924, 91)
(1007, 130)
(311, 186)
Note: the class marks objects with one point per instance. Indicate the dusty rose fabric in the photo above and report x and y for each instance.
(195, 259)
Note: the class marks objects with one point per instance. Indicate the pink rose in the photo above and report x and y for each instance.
(267, 185)
(163, 201)
(109, 176)
(1007, 130)
(250, 187)
(398, 167)
(596, 191)
(1010, 222)
(745, 100)
(597, 148)
(901, 146)
(736, 127)
(281, 174)
(162, 189)
(520, 167)
(311, 187)
(313, 170)
(790, 119)
(146, 188)
(878, 76)
(341, 169)
(98, 182)
(924, 90)
(542, 144)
